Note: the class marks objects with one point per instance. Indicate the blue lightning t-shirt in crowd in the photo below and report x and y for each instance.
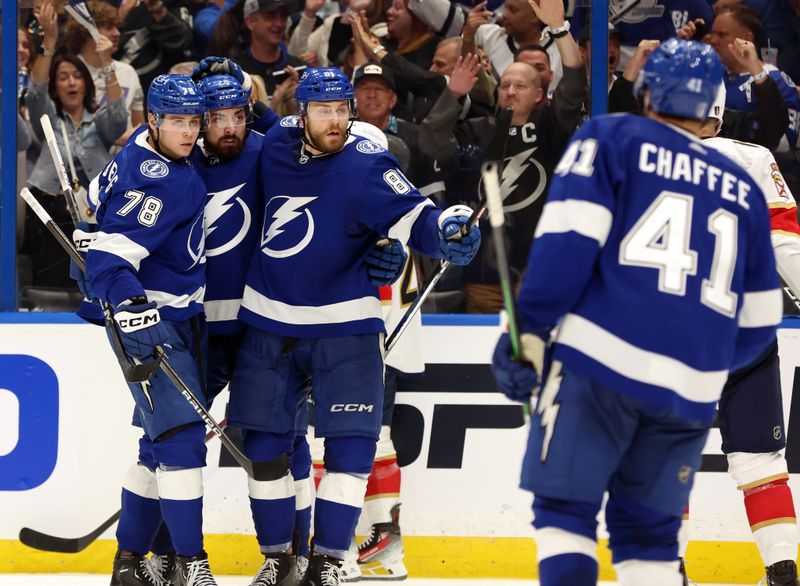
(151, 237)
(655, 257)
(322, 217)
(648, 19)
(740, 96)
(234, 207)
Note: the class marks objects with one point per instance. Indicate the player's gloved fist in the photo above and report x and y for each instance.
(457, 248)
(385, 262)
(218, 65)
(517, 380)
(141, 328)
(82, 237)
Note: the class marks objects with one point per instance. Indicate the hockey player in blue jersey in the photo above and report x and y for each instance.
(147, 261)
(312, 310)
(653, 258)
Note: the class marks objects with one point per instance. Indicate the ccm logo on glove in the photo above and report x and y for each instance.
(132, 322)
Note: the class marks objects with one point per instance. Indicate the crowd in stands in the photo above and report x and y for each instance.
(450, 84)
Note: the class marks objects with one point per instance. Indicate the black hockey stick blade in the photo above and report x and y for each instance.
(44, 542)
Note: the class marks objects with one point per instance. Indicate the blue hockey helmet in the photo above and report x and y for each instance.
(174, 94)
(324, 84)
(223, 91)
(683, 78)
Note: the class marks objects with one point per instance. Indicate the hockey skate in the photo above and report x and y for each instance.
(194, 571)
(165, 567)
(380, 556)
(302, 568)
(350, 570)
(322, 571)
(278, 569)
(781, 574)
(134, 570)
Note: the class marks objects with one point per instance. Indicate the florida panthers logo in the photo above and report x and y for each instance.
(288, 228)
(228, 220)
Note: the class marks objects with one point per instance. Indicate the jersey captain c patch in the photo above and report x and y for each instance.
(288, 226)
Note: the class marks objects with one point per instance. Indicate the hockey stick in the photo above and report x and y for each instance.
(61, 171)
(44, 542)
(258, 470)
(494, 201)
(134, 373)
(414, 308)
(499, 151)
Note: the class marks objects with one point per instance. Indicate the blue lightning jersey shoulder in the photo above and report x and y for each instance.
(234, 206)
(322, 216)
(151, 239)
(655, 257)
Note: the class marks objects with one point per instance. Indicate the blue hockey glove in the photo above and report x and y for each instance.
(140, 328)
(458, 250)
(82, 238)
(385, 263)
(517, 380)
(217, 65)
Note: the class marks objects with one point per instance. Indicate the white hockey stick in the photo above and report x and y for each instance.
(61, 171)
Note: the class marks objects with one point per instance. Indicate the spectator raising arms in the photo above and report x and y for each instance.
(78, 41)
(62, 88)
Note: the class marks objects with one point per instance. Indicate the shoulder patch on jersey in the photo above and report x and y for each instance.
(780, 184)
(289, 121)
(154, 168)
(368, 147)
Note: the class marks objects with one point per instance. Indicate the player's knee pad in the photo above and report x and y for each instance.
(640, 533)
(183, 447)
(554, 541)
(573, 517)
(300, 464)
(385, 446)
(749, 470)
(141, 481)
(182, 484)
(638, 572)
(352, 455)
(302, 493)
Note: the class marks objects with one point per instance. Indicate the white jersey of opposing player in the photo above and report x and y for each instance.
(406, 356)
(760, 164)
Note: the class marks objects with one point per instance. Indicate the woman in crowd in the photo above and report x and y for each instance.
(62, 88)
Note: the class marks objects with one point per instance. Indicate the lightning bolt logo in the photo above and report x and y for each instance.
(547, 408)
(217, 206)
(287, 212)
(145, 387)
(514, 168)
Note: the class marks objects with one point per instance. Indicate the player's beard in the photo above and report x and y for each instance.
(320, 140)
(228, 151)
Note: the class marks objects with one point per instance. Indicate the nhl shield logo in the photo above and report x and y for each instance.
(154, 168)
(777, 432)
(684, 474)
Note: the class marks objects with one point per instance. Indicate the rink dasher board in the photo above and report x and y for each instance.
(460, 441)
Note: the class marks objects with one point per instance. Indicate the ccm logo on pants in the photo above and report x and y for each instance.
(351, 408)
